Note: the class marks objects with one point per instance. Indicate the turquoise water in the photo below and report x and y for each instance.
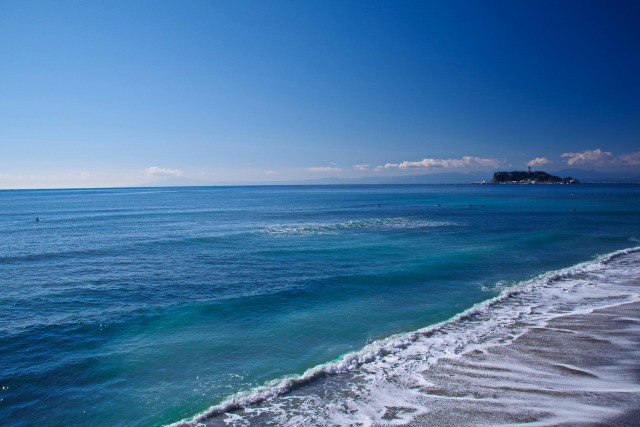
(147, 306)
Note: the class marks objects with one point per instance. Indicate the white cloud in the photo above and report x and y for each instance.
(361, 167)
(324, 169)
(271, 173)
(162, 172)
(630, 159)
(466, 161)
(600, 158)
(539, 161)
(596, 157)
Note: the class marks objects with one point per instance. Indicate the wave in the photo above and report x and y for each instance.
(578, 289)
(332, 228)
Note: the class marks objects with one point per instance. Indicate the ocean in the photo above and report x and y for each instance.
(313, 305)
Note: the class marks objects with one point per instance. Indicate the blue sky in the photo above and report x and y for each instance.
(128, 93)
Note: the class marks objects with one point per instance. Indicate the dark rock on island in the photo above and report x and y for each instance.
(537, 177)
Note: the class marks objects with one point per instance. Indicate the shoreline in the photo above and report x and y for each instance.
(577, 369)
(564, 354)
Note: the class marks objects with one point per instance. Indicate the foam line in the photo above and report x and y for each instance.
(330, 228)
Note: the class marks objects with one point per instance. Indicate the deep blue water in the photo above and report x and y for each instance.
(146, 306)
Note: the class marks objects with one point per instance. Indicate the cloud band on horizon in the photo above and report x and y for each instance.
(156, 171)
(465, 161)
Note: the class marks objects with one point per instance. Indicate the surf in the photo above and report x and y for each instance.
(531, 303)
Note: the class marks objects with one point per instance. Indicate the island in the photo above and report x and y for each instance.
(522, 177)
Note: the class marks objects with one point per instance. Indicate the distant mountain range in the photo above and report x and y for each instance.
(584, 176)
(594, 177)
(435, 178)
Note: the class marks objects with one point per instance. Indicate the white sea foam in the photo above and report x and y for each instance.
(333, 228)
(386, 384)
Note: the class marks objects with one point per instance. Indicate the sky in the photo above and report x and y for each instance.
(134, 93)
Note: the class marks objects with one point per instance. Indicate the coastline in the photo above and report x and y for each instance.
(578, 369)
(563, 350)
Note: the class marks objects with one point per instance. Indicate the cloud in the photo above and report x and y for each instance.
(539, 161)
(271, 173)
(466, 161)
(361, 167)
(162, 172)
(324, 169)
(630, 159)
(595, 157)
(601, 158)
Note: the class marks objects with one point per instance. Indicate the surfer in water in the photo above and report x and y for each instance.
(37, 219)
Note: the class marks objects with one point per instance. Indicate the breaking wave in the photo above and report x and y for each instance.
(578, 289)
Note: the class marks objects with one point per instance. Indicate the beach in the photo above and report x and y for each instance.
(581, 369)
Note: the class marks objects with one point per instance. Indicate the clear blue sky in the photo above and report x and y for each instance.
(126, 93)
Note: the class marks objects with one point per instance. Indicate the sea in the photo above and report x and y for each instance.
(303, 305)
